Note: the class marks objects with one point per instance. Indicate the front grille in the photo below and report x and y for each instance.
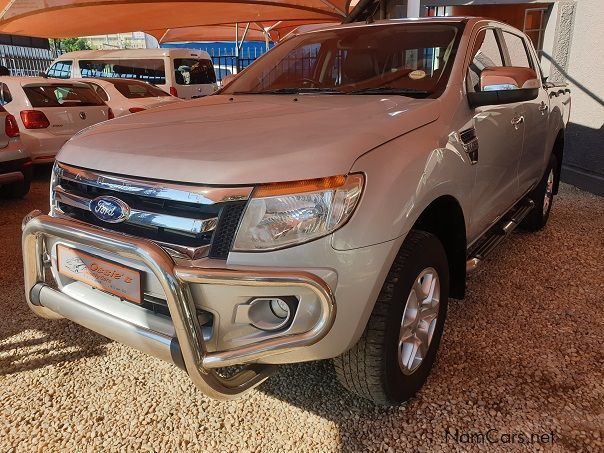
(191, 220)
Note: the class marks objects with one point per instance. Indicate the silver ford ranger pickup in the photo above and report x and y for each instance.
(325, 204)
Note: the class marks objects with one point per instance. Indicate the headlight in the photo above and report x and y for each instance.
(284, 214)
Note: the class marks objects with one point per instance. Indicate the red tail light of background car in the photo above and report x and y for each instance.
(34, 119)
(10, 126)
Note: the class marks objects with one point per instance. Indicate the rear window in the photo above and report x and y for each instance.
(193, 71)
(147, 69)
(137, 90)
(61, 96)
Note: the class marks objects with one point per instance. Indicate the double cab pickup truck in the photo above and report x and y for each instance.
(325, 204)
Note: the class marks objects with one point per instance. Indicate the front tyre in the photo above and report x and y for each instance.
(395, 354)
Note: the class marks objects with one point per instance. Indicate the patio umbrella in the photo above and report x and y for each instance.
(70, 18)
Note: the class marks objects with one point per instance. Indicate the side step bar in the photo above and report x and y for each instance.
(497, 234)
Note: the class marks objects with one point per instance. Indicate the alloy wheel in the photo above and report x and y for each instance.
(419, 321)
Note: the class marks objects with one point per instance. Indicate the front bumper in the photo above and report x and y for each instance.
(187, 347)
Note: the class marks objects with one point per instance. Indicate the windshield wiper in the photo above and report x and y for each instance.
(294, 90)
(390, 90)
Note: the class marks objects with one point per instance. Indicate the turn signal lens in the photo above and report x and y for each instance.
(34, 119)
(136, 109)
(173, 92)
(10, 126)
(110, 114)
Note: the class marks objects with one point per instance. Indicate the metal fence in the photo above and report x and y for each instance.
(26, 61)
(226, 62)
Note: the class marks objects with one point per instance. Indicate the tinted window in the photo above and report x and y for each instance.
(411, 58)
(5, 96)
(133, 90)
(99, 91)
(487, 54)
(192, 71)
(60, 70)
(61, 96)
(149, 70)
(516, 50)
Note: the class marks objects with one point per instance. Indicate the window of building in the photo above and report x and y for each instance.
(534, 25)
(516, 50)
(60, 70)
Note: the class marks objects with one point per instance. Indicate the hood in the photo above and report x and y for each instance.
(247, 139)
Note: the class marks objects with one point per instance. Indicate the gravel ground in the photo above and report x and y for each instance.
(522, 353)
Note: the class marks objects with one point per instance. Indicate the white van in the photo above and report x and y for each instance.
(185, 73)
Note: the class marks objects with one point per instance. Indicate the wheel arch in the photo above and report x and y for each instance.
(444, 218)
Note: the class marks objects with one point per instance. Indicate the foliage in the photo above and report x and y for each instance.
(73, 44)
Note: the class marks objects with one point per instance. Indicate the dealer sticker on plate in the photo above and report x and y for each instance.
(113, 278)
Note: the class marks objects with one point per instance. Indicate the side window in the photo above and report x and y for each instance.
(60, 70)
(516, 50)
(98, 90)
(486, 54)
(5, 96)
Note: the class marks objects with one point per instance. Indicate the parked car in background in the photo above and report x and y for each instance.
(50, 112)
(15, 163)
(125, 96)
(380, 173)
(183, 73)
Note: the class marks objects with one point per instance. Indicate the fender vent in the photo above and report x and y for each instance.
(470, 144)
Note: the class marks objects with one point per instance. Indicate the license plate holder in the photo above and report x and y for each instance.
(105, 275)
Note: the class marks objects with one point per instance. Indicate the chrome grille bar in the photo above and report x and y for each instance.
(154, 189)
(143, 218)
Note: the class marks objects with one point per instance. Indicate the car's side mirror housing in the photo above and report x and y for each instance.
(505, 85)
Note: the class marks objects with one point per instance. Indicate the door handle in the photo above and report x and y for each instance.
(517, 120)
(543, 107)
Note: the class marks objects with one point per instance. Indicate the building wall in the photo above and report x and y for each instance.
(584, 154)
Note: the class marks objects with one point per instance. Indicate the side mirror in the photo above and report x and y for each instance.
(228, 79)
(505, 85)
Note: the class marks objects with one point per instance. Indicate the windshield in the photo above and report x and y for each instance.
(410, 59)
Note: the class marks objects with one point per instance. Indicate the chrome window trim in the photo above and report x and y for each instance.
(154, 189)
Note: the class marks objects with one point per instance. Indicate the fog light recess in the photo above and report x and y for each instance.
(272, 313)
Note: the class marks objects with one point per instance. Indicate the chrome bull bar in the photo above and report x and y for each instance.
(188, 349)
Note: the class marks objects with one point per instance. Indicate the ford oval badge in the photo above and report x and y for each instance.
(110, 209)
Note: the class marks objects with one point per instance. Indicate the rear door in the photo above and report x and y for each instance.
(535, 113)
(68, 107)
(193, 77)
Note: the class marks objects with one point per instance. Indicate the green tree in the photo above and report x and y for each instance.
(73, 44)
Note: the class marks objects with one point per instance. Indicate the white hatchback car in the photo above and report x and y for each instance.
(129, 96)
(49, 112)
